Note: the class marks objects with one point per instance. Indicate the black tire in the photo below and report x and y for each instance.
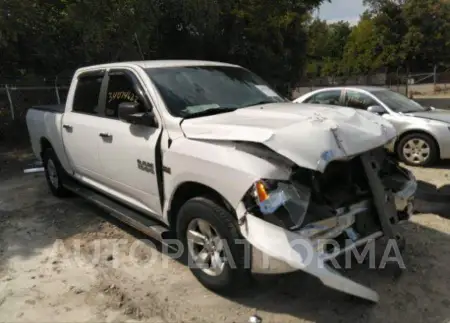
(50, 159)
(235, 277)
(434, 149)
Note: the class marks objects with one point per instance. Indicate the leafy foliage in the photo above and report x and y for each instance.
(46, 37)
(391, 34)
(276, 39)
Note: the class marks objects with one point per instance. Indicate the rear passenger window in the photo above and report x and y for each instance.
(87, 94)
(120, 89)
(331, 97)
(358, 100)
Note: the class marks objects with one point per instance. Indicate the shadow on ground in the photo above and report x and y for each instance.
(441, 164)
(419, 295)
(430, 199)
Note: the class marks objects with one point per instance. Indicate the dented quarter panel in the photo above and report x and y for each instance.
(309, 135)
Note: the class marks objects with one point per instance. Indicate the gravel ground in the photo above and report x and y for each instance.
(66, 261)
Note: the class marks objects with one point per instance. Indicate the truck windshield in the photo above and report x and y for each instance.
(191, 90)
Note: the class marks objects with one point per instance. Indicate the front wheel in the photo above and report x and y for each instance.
(213, 247)
(417, 149)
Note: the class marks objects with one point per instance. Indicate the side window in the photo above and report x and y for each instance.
(358, 100)
(121, 88)
(331, 97)
(87, 94)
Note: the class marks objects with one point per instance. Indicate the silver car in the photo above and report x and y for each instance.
(423, 132)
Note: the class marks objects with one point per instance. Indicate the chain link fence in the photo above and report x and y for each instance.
(422, 84)
(15, 102)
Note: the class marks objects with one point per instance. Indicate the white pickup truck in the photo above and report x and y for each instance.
(209, 154)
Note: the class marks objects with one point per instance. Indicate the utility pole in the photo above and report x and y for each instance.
(139, 46)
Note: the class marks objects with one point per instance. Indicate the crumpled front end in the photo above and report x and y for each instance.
(310, 136)
(304, 223)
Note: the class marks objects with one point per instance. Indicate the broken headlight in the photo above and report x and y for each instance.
(281, 202)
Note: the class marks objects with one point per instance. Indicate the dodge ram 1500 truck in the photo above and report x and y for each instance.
(209, 155)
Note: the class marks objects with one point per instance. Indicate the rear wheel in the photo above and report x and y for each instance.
(213, 247)
(417, 149)
(54, 173)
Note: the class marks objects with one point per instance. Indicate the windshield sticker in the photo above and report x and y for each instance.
(266, 90)
(200, 108)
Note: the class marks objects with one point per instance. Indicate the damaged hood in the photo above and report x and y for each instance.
(309, 135)
(437, 114)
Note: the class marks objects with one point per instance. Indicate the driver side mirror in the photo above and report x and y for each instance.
(129, 112)
(376, 109)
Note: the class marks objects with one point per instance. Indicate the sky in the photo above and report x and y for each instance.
(348, 10)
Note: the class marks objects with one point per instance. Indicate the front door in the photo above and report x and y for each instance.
(80, 127)
(358, 100)
(127, 152)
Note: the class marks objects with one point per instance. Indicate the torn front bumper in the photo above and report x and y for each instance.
(278, 250)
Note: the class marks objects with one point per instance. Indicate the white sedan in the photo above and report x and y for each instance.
(423, 132)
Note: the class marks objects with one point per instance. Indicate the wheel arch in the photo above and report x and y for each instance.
(44, 144)
(417, 131)
(188, 190)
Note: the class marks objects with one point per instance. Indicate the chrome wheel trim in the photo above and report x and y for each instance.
(52, 173)
(205, 247)
(416, 151)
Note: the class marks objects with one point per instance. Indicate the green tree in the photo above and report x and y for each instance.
(46, 37)
(318, 38)
(412, 32)
(338, 35)
(427, 40)
(361, 50)
(326, 44)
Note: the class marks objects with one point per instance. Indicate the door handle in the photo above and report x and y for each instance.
(105, 135)
(67, 127)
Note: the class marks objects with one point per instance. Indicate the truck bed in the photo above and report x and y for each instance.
(44, 123)
(58, 108)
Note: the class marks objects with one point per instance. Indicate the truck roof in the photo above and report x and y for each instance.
(156, 64)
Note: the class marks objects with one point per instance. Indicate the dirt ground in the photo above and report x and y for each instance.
(67, 261)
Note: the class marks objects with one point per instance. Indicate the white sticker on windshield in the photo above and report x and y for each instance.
(266, 90)
(200, 108)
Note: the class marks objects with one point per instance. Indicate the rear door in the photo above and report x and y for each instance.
(80, 126)
(128, 152)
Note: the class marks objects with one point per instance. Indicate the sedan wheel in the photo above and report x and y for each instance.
(417, 150)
